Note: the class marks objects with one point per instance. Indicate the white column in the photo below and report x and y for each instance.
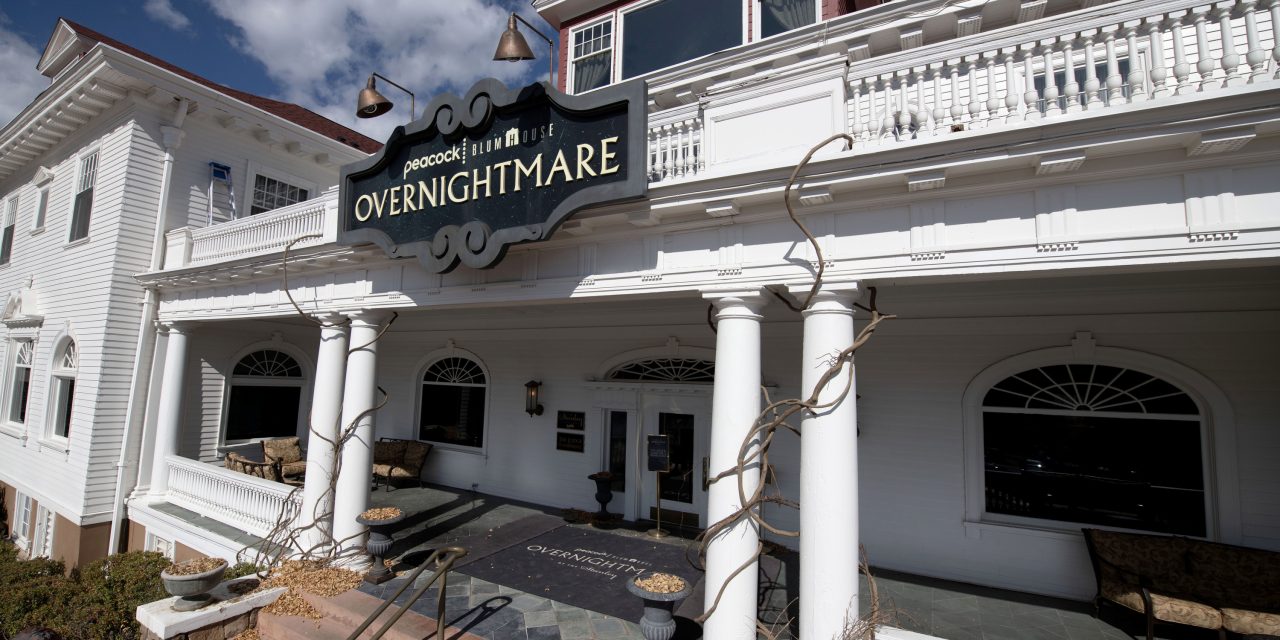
(828, 469)
(735, 407)
(326, 414)
(169, 416)
(351, 497)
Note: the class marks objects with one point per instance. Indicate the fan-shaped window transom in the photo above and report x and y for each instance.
(666, 370)
(268, 363)
(454, 371)
(1090, 387)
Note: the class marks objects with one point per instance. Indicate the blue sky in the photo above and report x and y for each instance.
(316, 53)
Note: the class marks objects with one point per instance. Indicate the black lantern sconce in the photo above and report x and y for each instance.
(531, 405)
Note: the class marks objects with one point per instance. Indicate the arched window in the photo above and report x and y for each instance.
(452, 407)
(666, 370)
(1094, 444)
(265, 397)
(65, 365)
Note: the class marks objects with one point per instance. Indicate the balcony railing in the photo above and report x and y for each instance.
(242, 501)
(263, 234)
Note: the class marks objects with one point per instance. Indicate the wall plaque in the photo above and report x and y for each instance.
(575, 420)
(659, 449)
(570, 442)
(499, 167)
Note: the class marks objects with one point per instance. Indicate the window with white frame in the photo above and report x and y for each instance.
(265, 397)
(65, 365)
(452, 404)
(1094, 444)
(42, 208)
(159, 545)
(781, 16)
(592, 56)
(42, 539)
(272, 193)
(20, 380)
(83, 206)
(22, 520)
(6, 240)
(667, 32)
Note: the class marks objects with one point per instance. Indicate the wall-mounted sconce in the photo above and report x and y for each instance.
(531, 405)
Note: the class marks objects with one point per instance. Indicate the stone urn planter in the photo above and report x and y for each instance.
(604, 493)
(657, 622)
(379, 521)
(192, 582)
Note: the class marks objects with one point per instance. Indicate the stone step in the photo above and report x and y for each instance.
(343, 613)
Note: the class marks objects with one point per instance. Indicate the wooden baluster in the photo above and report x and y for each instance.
(1029, 95)
(668, 151)
(886, 116)
(1230, 58)
(680, 166)
(1274, 6)
(1011, 98)
(1091, 85)
(1115, 84)
(649, 155)
(1051, 107)
(903, 128)
(1159, 75)
(700, 158)
(957, 107)
(1205, 62)
(993, 99)
(873, 110)
(1256, 57)
(939, 113)
(857, 126)
(1137, 77)
(923, 129)
(1070, 88)
(1181, 68)
(975, 107)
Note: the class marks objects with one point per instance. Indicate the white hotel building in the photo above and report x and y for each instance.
(1070, 205)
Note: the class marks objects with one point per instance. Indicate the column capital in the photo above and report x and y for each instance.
(366, 317)
(330, 318)
(184, 327)
(740, 301)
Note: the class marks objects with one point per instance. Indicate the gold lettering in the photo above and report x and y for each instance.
(379, 202)
(395, 201)
(408, 198)
(584, 163)
(534, 169)
(560, 165)
(606, 155)
(368, 209)
(502, 176)
(428, 191)
(453, 178)
(476, 182)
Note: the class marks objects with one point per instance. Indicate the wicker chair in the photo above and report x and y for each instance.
(395, 458)
(269, 470)
(288, 453)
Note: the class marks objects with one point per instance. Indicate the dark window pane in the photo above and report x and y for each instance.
(452, 415)
(262, 412)
(672, 31)
(21, 389)
(677, 485)
(6, 245)
(1133, 473)
(779, 16)
(80, 215)
(618, 449)
(67, 391)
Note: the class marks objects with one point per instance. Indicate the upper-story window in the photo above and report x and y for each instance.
(270, 193)
(592, 56)
(84, 198)
(10, 219)
(780, 16)
(42, 207)
(20, 380)
(65, 365)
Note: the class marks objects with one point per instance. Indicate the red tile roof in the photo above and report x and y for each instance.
(294, 113)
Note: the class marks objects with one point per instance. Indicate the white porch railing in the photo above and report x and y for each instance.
(251, 504)
(262, 234)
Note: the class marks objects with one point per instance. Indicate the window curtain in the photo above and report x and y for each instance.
(591, 72)
(792, 14)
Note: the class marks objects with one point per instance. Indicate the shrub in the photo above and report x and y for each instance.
(36, 591)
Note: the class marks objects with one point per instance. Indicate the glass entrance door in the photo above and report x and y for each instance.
(677, 485)
(686, 422)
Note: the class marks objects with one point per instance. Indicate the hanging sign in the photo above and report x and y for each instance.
(659, 453)
(499, 167)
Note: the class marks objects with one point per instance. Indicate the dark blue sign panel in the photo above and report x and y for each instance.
(659, 453)
(499, 167)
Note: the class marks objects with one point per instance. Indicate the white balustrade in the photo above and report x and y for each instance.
(265, 233)
(675, 145)
(245, 502)
(1065, 66)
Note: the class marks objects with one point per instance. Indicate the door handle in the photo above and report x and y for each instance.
(706, 473)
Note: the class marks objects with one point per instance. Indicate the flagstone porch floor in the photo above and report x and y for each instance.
(440, 516)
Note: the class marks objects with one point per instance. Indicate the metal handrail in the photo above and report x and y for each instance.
(444, 559)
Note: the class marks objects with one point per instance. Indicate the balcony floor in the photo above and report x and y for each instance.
(441, 516)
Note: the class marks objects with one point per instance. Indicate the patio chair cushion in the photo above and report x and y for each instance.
(1246, 622)
(288, 453)
(394, 458)
(388, 452)
(265, 470)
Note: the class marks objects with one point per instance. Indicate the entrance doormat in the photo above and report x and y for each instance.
(583, 568)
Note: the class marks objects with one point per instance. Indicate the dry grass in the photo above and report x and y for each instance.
(194, 566)
(312, 577)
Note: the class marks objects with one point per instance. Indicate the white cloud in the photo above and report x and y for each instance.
(162, 11)
(18, 75)
(321, 53)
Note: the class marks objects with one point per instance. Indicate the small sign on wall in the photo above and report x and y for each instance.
(570, 442)
(659, 449)
(574, 420)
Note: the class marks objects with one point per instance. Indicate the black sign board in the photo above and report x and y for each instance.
(499, 167)
(575, 420)
(570, 442)
(659, 453)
